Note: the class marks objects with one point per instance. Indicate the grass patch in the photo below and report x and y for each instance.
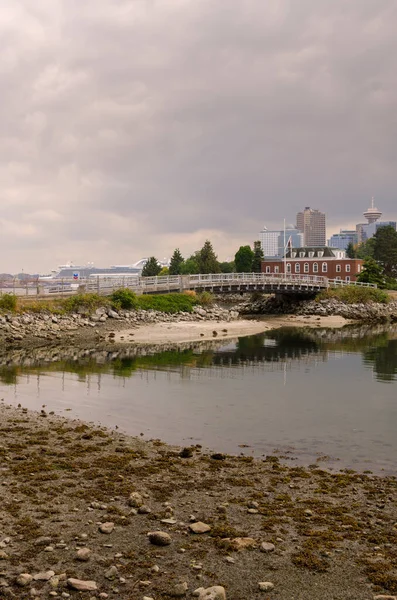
(355, 295)
(167, 303)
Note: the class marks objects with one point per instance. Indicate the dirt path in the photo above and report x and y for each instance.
(327, 535)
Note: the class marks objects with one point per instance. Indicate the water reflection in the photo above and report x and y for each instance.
(310, 392)
(274, 350)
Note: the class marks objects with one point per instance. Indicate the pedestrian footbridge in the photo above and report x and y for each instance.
(220, 283)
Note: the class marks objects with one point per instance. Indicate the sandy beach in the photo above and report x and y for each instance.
(180, 332)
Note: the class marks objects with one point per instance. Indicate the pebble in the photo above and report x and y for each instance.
(385, 597)
(179, 590)
(253, 511)
(241, 543)
(111, 573)
(83, 554)
(265, 586)
(24, 579)
(44, 576)
(159, 538)
(135, 500)
(216, 592)
(106, 527)
(199, 527)
(81, 585)
(267, 547)
(49, 549)
(3, 555)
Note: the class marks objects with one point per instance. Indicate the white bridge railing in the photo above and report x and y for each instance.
(105, 284)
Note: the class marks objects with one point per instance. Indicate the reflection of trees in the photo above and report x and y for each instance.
(383, 360)
(285, 344)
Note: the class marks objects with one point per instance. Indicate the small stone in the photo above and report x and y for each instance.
(43, 541)
(81, 585)
(308, 512)
(106, 527)
(230, 559)
(111, 573)
(155, 569)
(199, 527)
(241, 543)
(144, 510)
(3, 555)
(49, 549)
(83, 554)
(266, 586)
(216, 592)
(267, 547)
(385, 597)
(24, 579)
(169, 521)
(253, 511)
(44, 576)
(159, 538)
(135, 500)
(179, 590)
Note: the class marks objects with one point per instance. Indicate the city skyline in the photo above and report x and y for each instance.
(132, 127)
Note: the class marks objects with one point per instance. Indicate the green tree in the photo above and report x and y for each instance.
(372, 272)
(151, 267)
(258, 258)
(385, 249)
(243, 259)
(207, 259)
(351, 251)
(164, 271)
(190, 265)
(227, 267)
(366, 249)
(176, 262)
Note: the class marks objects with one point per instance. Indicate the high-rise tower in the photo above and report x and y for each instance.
(372, 214)
(311, 222)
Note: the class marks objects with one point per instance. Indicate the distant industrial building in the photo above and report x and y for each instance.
(343, 239)
(273, 242)
(311, 222)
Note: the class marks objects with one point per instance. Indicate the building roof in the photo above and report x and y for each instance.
(326, 251)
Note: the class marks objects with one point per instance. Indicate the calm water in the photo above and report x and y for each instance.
(325, 396)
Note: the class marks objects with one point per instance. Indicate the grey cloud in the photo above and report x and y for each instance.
(130, 125)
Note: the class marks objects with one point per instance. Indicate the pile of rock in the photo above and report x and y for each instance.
(371, 311)
(47, 326)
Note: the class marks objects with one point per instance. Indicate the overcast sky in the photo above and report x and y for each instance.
(130, 127)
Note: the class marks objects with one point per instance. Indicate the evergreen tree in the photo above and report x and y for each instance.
(176, 262)
(243, 259)
(227, 267)
(351, 251)
(366, 249)
(151, 268)
(258, 258)
(207, 259)
(190, 265)
(385, 250)
(372, 272)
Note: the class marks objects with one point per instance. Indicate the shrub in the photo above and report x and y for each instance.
(124, 298)
(205, 298)
(83, 302)
(8, 302)
(168, 303)
(356, 295)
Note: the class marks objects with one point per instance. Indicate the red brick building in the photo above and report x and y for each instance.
(317, 261)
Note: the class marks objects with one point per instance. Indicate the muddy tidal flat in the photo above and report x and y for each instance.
(78, 503)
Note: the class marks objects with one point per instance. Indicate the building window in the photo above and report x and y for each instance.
(338, 268)
(302, 254)
(338, 278)
(288, 267)
(297, 268)
(276, 269)
(293, 254)
(347, 268)
(347, 277)
(306, 267)
(320, 253)
(324, 267)
(267, 269)
(311, 254)
(315, 267)
(358, 268)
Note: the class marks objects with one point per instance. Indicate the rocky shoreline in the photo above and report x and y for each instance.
(371, 311)
(33, 330)
(91, 513)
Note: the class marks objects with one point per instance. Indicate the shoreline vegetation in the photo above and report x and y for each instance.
(85, 508)
(125, 318)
